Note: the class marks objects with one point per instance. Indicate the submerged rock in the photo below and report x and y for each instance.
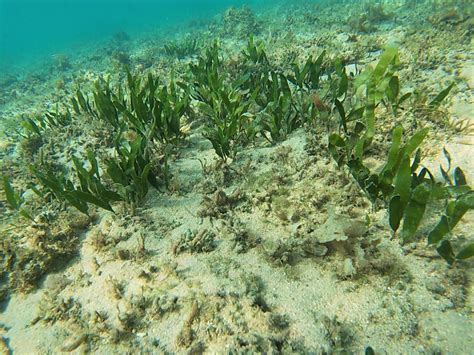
(340, 228)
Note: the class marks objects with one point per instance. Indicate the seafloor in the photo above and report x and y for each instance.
(277, 250)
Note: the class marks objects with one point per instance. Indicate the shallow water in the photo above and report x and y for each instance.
(173, 178)
(32, 29)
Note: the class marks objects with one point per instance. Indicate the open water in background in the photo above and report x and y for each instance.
(34, 29)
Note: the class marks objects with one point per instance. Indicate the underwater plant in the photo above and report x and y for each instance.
(409, 191)
(56, 184)
(155, 111)
(239, 22)
(376, 82)
(459, 198)
(56, 118)
(227, 112)
(36, 126)
(80, 103)
(92, 188)
(278, 115)
(32, 128)
(406, 189)
(130, 171)
(15, 199)
(280, 109)
(411, 196)
(207, 74)
(224, 105)
(255, 53)
(105, 109)
(258, 85)
(436, 102)
(393, 97)
(183, 47)
(399, 183)
(359, 123)
(91, 191)
(62, 62)
(307, 78)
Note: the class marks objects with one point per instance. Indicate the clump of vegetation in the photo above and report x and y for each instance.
(239, 22)
(183, 47)
(226, 112)
(15, 199)
(400, 182)
(121, 57)
(152, 111)
(371, 15)
(459, 199)
(256, 100)
(62, 62)
(35, 126)
(58, 184)
(32, 135)
(56, 118)
(259, 101)
(224, 105)
(376, 12)
(130, 171)
(451, 16)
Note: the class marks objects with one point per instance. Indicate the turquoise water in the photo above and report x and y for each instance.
(34, 29)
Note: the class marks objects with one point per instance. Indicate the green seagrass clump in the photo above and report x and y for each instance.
(56, 183)
(402, 183)
(14, 199)
(239, 22)
(259, 100)
(154, 110)
(183, 47)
